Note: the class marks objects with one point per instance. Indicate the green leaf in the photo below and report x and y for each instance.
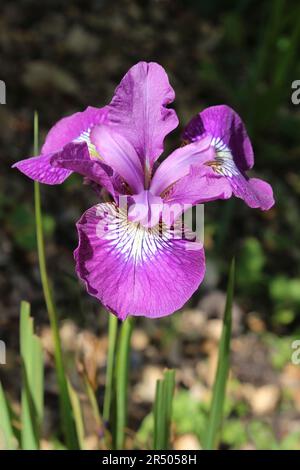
(251, 263)
(122, 364)
(163, 410)
(7, 437)
(77, 413)
(66, 412)
(32, 381)
(159, 417)
(261, 434)
(112, 337)
(169, 392)
(217, 405)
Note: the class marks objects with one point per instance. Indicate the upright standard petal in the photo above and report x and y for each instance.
(133, 270)
(227, 131)
(117, 152)
(75, 128)
(138, 110)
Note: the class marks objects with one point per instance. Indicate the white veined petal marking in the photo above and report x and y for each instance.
(85, 137)
(133, 241)
(223, 164)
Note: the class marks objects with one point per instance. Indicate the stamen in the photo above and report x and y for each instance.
(215, 165)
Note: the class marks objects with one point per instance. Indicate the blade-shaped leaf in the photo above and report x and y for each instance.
(218, 397)
(122, 365)
(112, 337)
(163, 410)
(7, 437)
(32, 381)
(77, 413)
(66, 412)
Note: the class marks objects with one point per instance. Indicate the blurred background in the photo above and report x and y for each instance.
(59, 57)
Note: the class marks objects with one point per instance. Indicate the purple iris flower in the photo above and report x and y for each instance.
(139, 259)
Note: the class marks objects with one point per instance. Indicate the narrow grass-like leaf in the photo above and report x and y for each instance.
(122, 364)
(93, 402)
(169, 393)
(32, 381)
(68, 424)
(77, 413)
(102, 432)
(218, 397)
(112, 337)
(8, 440)
(159, 424)
(163, 410)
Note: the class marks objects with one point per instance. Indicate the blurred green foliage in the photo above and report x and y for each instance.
(251, 262)
(21, 222)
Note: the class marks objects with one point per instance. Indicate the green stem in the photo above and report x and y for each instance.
(65, 403)
(122, 364)
(112, 337)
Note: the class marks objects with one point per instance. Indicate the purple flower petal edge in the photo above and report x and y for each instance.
(223, 123)
(74, 127)
(138, 110)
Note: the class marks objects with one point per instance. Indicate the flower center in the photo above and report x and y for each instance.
(145, 208)
(223, 164)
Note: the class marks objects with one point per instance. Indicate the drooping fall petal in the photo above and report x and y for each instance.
(224, 126)
(133, 270)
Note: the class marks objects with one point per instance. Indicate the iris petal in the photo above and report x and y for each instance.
(255, 192)
(139, 110)
(76, 157)
(69, 129)
(133, 270)
(223, 123)
(178, 164)
(117, 152)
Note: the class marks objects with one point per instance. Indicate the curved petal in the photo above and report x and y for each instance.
(72, 128)
(76, 157)
(199, 186)
(118, 153)
(136, 271)
(138, 110)
(40, 169)
(178, 164)
(225, 127)
(255, 192)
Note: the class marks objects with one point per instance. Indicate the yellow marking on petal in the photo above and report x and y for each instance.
(223, 164)
(85, 137)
